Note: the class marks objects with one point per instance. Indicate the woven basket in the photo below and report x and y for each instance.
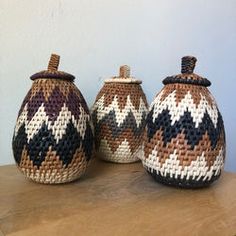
(184, 138)
(119, 115)
(53, 139)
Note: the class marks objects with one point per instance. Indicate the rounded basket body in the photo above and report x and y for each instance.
(184, 138)
(119, 115)
(53, 139)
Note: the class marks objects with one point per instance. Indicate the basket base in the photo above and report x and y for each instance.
(57, 182)
(119, 160)
(53, 176)
(183, 183)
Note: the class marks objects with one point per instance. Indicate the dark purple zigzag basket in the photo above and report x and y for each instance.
(53, 139)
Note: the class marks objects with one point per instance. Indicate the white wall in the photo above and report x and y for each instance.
(94, 37)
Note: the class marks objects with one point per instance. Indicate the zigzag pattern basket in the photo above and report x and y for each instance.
(119, 115)
(53, 139)
(185, 138)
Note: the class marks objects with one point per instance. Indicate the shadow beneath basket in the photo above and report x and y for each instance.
(100, 168)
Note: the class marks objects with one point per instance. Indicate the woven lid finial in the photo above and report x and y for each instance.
(124, 71)
(188, 64)
(53, 62)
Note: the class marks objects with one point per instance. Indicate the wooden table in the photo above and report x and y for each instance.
(114, 199)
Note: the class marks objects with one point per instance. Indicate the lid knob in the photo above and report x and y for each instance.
(53, 62)
(124, 71)
(188, 64)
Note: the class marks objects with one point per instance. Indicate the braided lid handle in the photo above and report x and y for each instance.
(52, 71)
(123, 77)
(188, 64)
(124, 71)
(53, 62)
(187, 76)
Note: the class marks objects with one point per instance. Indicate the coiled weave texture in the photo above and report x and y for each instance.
(53, 139)
(184, 139)
(119, 116)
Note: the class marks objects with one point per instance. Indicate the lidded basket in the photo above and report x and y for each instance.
(119, 116)
(184, 139)
(53, 140)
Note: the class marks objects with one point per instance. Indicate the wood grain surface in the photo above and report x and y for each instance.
(114, 199)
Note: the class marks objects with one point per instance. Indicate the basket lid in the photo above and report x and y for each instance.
(52, 71)
(124, 77)
(187, 76)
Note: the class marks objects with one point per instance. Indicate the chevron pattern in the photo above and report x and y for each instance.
(197, 111)
(53, 130)
(120, 114)
(198, 168)
(184, 139)
(62, 119)
(119, 121)
(186, 125)
(123, 148)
